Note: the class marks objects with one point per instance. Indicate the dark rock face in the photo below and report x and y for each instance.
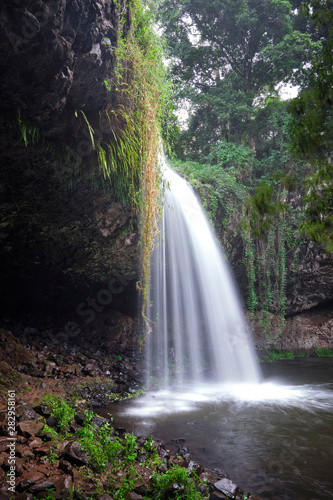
(63, 239)
(55, 57)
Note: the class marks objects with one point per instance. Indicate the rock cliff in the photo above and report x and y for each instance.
(68, 244)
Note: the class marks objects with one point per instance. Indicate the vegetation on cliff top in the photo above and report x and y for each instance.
(245, 149)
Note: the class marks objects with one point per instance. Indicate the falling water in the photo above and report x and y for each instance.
(198, 332)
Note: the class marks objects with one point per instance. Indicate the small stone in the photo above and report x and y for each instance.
(182, 451)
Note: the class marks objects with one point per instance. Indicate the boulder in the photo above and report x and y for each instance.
(227, 487)
(75, 454)
(24, 411)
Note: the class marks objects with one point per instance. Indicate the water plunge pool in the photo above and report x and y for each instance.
(275, 440)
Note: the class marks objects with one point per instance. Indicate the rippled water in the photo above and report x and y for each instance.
(274, 439)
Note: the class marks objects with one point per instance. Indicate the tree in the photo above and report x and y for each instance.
(311, 128)
(225, 53)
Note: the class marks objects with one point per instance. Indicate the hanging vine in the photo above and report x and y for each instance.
(270, 229)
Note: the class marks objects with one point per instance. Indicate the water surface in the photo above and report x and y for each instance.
(275, 439)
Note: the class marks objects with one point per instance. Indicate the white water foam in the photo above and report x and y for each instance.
(189, 398)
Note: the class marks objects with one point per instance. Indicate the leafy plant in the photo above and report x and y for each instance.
(324, 352)
(186, 488)
(277, 354)
(101, 446)
(62, 412)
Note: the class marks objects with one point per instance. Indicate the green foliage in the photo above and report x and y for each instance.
(270, 228)
(142, 83)
(127, 483)
(262, 209)
(49, 430)
(218, 187)
(324, 352)
(311, 111)
(319, 206)
(311, 126)
(249, 261)
(225, 56)
(101, 446)
(277, 354)
(29, 133)
(60, 410)
(130, 451)
(187, 488)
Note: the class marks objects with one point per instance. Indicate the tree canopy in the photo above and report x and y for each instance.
(225, 55)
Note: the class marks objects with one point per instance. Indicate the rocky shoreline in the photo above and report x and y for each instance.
(33, 366)
(40, 361)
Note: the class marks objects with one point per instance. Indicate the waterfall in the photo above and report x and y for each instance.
(197, 329)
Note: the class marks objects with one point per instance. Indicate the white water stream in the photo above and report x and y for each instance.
(198, 329)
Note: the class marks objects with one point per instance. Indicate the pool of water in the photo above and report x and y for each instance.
(275, 440)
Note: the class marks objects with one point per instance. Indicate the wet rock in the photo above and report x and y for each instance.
(174, 490)
(227, 487)
(23, 451)
(51, 422)
(183, 451)
(216, 495)
(195, 467)
(24, 496)
(105, 497)
(4, 493)
(120, 335)
(57, 448)
(75, 455)
(208, 478)
(98, 422)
